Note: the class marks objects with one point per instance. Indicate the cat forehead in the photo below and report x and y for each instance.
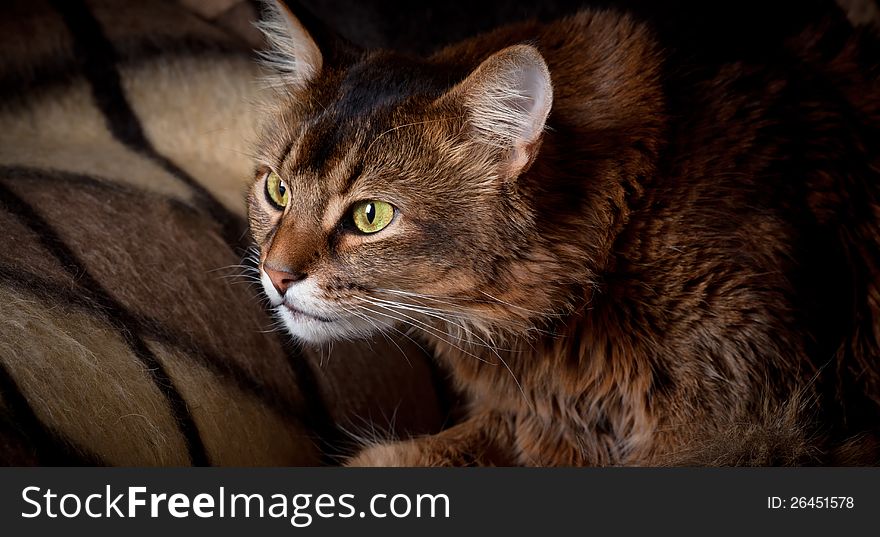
(376, 82)
(355, 118)
(323, 143)
(327, 157)
(332, 139)
(385, 77)
(333, 129)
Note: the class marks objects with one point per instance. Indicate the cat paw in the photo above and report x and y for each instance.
(386, 455)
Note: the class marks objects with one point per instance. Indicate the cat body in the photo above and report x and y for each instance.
(620, 257)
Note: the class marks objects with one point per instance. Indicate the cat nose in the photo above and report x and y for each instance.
(283, 279)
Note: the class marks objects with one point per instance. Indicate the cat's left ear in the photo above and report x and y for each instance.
(292, 56)
(508, 98)
(299, 45)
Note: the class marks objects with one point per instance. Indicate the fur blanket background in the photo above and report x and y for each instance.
(129, 332)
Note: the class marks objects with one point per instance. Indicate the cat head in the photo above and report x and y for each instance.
(388, 189)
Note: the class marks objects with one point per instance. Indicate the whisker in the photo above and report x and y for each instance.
(414, 124)
(438, 314)
(369, 320)
(431, 331)
(426, 328)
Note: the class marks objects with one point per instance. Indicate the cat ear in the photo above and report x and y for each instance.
(508, 98)
(291, 55)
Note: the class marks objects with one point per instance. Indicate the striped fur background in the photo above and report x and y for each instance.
(125, 338)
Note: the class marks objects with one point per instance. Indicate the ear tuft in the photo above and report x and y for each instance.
(509, 97)
(292, 56)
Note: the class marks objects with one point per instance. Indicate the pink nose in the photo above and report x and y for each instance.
(283, 279)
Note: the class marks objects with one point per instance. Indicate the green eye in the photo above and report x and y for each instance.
(371, 216)
(276, 190)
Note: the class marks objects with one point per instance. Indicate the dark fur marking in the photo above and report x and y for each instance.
(285, 154)
(356, 172)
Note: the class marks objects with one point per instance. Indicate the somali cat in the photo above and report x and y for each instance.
(621, 259)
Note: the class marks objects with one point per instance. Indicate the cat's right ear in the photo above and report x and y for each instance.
(292, 56)
(508, 99)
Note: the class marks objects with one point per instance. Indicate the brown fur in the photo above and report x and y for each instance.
(685, 270)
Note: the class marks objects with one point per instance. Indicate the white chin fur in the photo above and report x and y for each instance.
(315, 331)
(304, 296)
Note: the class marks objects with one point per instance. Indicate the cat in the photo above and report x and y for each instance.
(622, 258)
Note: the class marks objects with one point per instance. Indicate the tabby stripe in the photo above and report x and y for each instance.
(117, 315)
(99, 60)
(356, 172)
(51, 449)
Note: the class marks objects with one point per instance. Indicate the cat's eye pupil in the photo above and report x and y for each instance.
(281, 189)
(371, 216)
